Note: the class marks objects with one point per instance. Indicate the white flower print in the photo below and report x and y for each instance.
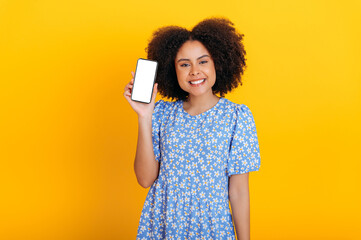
(197, 156)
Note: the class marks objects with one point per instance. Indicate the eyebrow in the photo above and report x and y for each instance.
(186, 59)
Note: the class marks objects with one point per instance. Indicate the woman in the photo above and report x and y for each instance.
(195, 153)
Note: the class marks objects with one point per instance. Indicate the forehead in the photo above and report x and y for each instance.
(192, 49)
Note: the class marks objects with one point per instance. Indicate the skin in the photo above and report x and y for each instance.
(146, 168)
(193, 61)
(238, 191)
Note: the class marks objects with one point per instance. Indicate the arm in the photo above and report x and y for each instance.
(145, 166)
(239, 198)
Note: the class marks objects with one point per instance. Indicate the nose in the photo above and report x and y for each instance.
(194, 71)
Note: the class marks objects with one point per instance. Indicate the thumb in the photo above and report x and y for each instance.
(155, 91)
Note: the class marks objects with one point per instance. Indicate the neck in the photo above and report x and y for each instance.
(201, 103)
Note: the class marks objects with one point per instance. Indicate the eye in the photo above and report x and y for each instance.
(183, 65)
(202, 62)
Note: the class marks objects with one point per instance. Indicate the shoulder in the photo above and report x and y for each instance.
(163, 106)
(162, 110)
(163, 103)
(241, 117)
(237, 109)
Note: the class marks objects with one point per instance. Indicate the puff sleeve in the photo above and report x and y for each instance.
(244, 154)
(156, 124)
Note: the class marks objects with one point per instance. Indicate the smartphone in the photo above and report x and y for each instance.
(144, 78)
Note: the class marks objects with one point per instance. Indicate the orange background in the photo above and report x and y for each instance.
(68, 136)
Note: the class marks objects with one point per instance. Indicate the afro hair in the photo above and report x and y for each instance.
(219, 37)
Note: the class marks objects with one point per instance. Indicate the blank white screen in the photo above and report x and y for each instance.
(143, 81)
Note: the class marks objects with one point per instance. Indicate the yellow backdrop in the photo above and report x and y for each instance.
(68, 136)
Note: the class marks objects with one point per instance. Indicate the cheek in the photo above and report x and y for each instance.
(181, 74)
(213, 68)
(181, 77)
(211, 72)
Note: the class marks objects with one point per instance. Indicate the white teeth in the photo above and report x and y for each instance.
(196, 82)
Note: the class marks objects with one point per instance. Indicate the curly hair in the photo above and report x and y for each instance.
(219, 37)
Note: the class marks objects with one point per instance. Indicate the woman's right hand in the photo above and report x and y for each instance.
(142, 109)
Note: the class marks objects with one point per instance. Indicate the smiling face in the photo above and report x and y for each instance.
(195, 69)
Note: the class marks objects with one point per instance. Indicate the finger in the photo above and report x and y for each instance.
(128, 98)
(129, 85)
(133, 74)
(127, 90)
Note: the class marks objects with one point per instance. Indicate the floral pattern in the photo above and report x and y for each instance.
(197, 155)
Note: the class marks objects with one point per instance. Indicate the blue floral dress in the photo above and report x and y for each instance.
(197, 155)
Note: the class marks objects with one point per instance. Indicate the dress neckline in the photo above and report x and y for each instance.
(180, 102)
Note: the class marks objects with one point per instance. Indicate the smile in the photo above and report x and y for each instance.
(197, 82)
